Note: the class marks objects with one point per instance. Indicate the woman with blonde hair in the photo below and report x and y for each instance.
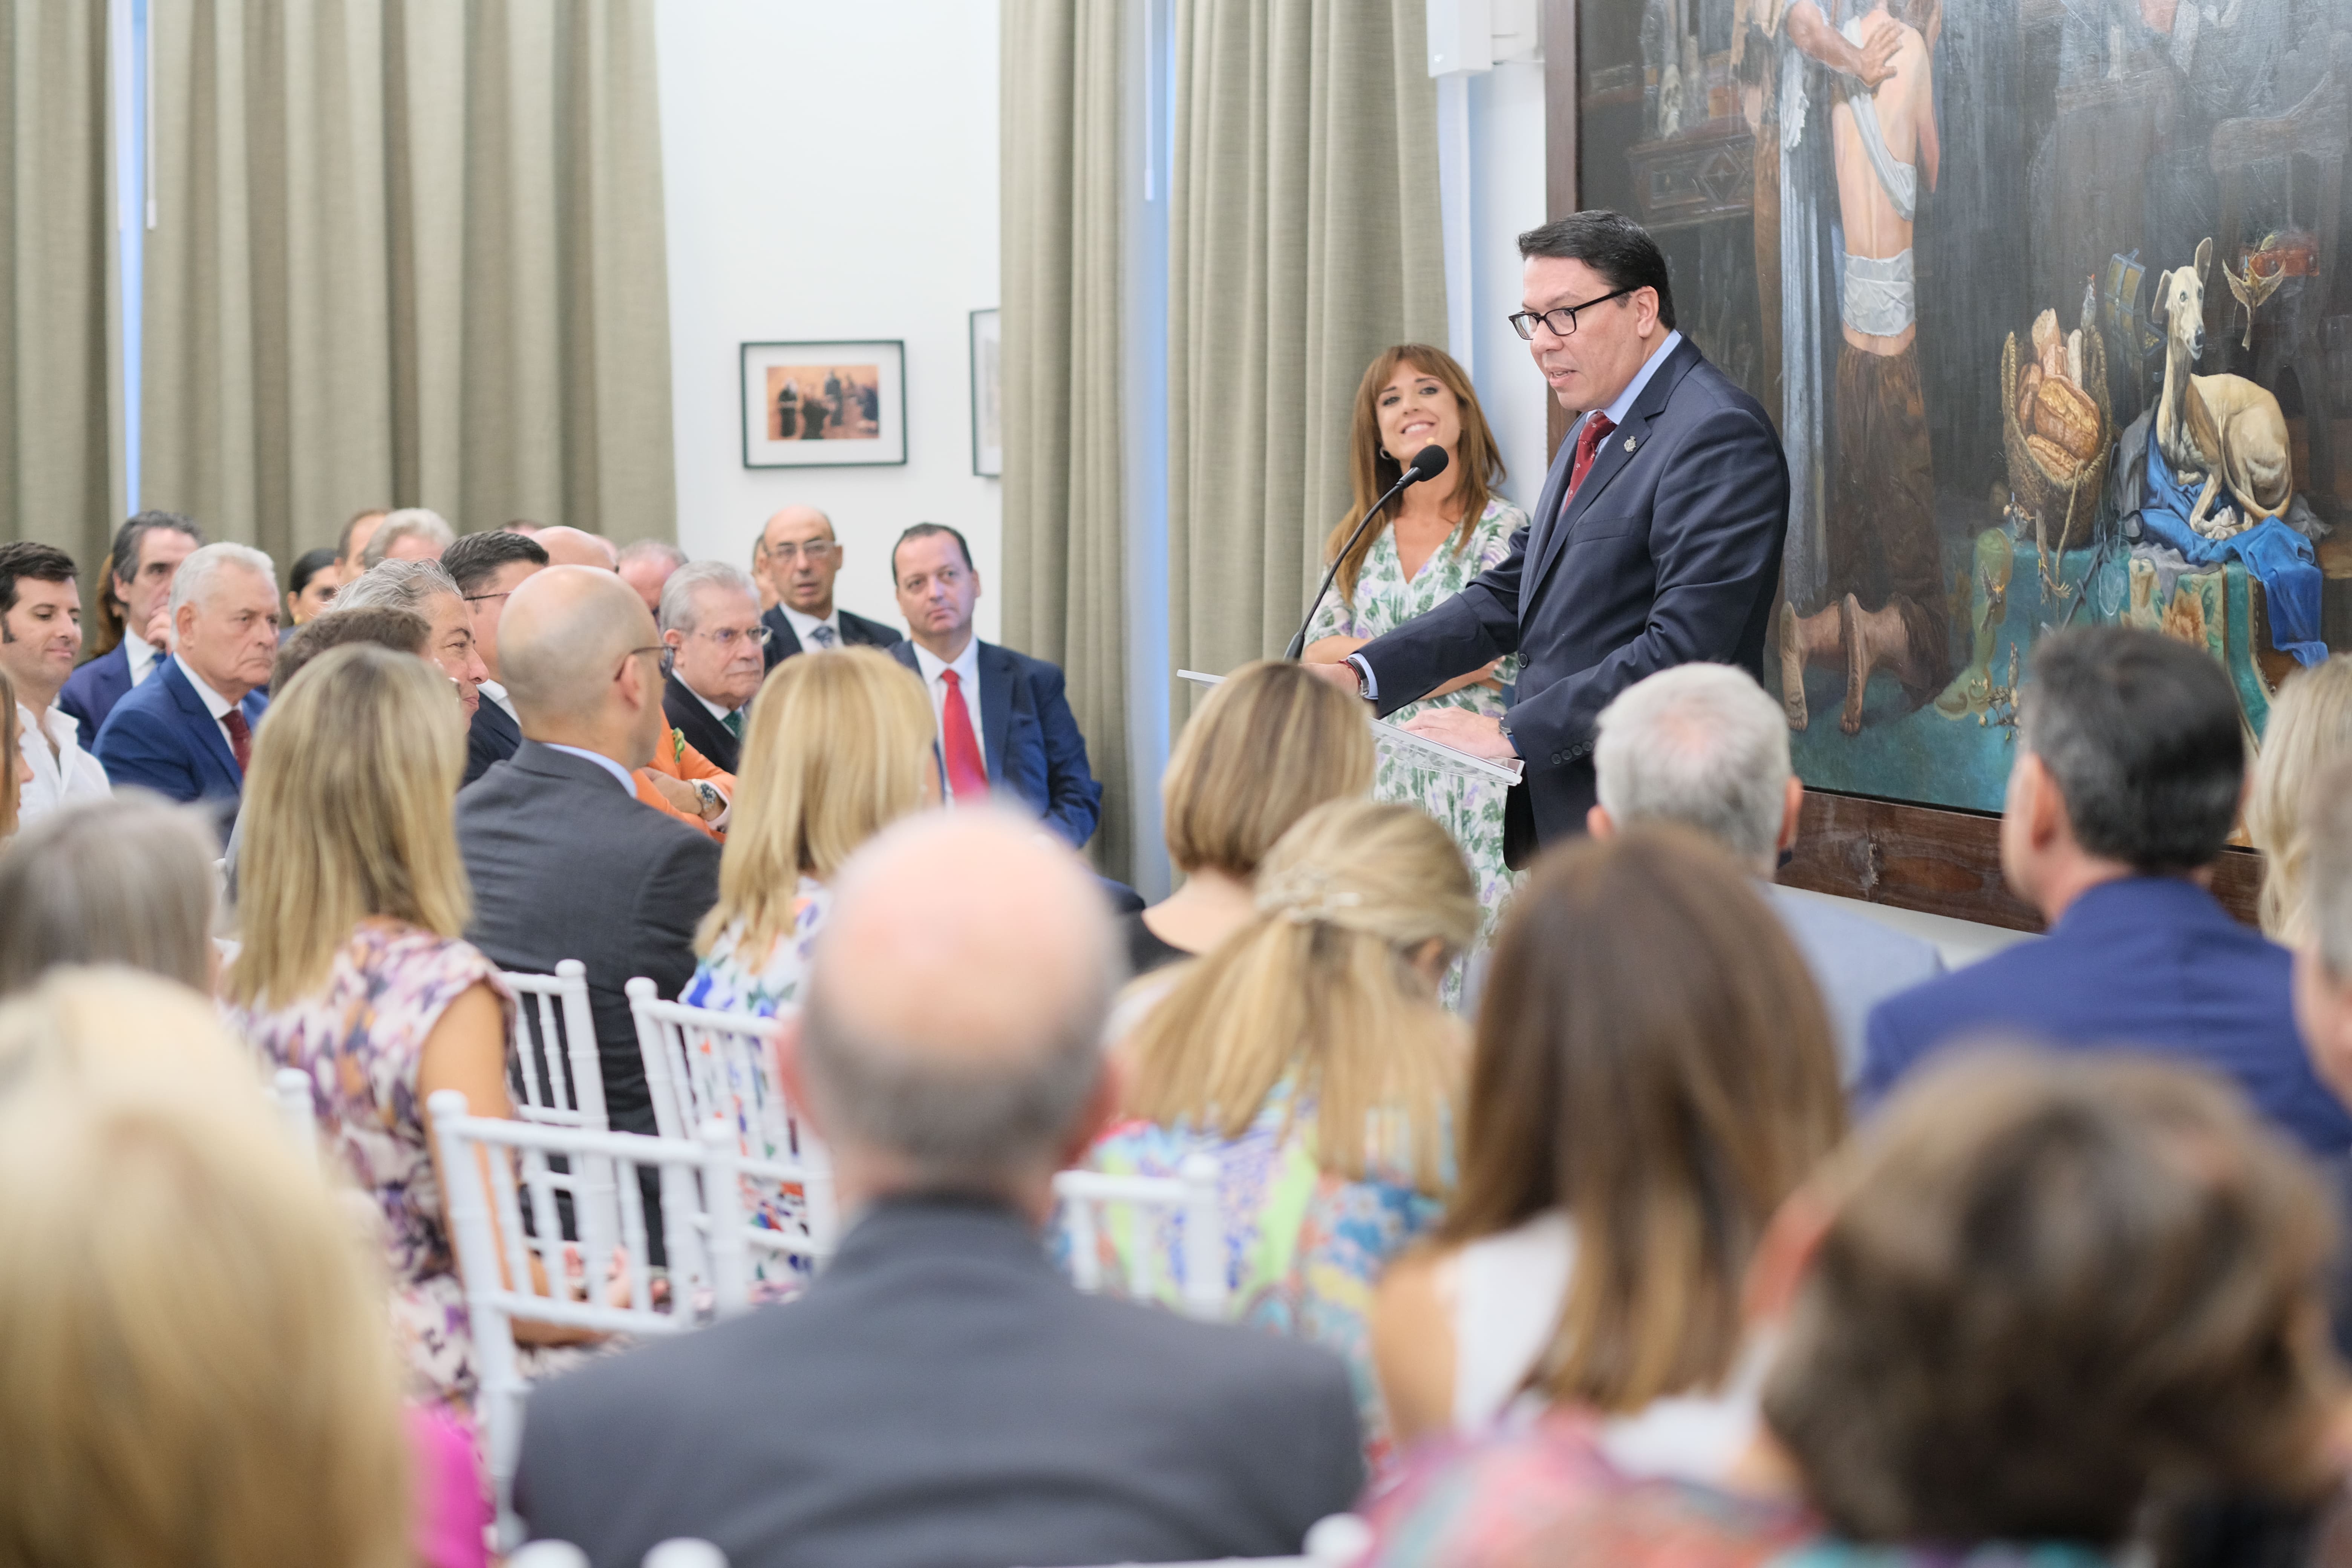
(1267, 744)
(1436, 537)
(1653, 1074)
(1309, 1054)
(2310, 730)
(351, 899)
(838, 748)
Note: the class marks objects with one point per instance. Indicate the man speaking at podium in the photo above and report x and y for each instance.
(1656, 542)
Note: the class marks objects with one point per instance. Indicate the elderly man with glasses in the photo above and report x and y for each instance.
(1656, 542)
(799, 558)
(718, 655)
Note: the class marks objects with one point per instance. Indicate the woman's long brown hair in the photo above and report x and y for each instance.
(1651, 1059)
(1371, 472)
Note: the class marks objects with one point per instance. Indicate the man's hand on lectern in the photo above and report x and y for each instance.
(1463, 730)
(1342, 676)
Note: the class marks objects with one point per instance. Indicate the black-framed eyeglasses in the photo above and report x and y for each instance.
(1561, 319)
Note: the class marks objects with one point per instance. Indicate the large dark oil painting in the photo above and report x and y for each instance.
(2049, 299)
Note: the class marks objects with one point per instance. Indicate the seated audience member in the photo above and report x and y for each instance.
(424, 587)
(2043, 1312)
(796, 561)
(646, 565)
(409, 534)
(487, 569)
(2044, 1301)
(841, 744)
(1654, 1074)
(401, 631)
(2309, 733)
(196, 1369)
(310, 588)
(188, 734)
(2322, 974)
(2130, 764)
(710, 616)
(147, 553)
(1004, 721)
(1703, 746)
(126, 881)
(16, 773)
(574, 547)
(1266, 745)
(565, 862)
(40, 632)
(941, 1393)
(1309, 1054)
(351, 902)
(350, 549)
(682, 783)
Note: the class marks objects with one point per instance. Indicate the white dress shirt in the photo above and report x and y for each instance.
(497, 694)
(139, 653)
(62, 774)
(215, 703)
(716, 712)
(804, 625)
(967, 669)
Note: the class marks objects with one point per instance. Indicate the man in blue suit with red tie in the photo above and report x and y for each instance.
(187, 733)
(1004, 721)
(1656, 541)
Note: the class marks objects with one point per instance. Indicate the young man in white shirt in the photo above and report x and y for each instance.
(40, 636)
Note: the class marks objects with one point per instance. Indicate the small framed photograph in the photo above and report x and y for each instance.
(825, 404)
(987, 394)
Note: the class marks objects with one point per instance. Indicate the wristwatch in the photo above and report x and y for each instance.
(1503, 724)
(713, 803)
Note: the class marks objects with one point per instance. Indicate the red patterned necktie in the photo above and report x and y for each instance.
(240, 738)
(967, 771)
(1588, 445)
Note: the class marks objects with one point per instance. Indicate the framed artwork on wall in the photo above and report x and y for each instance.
(1985, 289)
(987, 394)
(825, 404)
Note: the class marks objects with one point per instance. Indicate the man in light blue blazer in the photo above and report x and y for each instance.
(1703, 746)
(187, 735)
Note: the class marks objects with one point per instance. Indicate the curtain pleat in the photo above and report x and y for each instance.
(1065, 559)
(1304, 236)
(60, 397)
(408, 253)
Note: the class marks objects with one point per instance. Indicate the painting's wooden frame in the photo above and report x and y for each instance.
(1926, 857)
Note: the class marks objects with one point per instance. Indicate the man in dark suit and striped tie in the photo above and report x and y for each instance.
(799, 557)
(710, 620)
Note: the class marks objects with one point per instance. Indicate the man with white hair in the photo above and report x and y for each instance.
(710, 616)
(188, 734)
(425, 588)
(1702, 745)
(942, 1392)
(412, 533)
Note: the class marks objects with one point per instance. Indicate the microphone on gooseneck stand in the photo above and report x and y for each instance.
(1427, 464)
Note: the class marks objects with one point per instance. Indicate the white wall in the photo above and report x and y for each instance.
(1506, 198)
(831, 172)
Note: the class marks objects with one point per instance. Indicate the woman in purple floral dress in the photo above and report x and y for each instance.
(351, 969)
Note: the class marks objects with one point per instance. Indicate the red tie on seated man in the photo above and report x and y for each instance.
(967, 770)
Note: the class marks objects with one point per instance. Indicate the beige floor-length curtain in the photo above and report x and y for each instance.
(1065, 598)
(1305, 237)
(407, 252)
(59, 416)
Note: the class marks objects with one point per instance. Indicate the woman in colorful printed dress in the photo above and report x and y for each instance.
(839, 747)
(1309, 1054)
(1436, 537)
(352, 970)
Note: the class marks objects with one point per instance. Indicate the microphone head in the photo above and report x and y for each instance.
(1427, 464)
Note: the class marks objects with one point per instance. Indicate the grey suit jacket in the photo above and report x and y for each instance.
(565, 865)
(942, 1398)
(1856, 962)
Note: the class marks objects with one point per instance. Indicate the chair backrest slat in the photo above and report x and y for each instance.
(1184, 1206)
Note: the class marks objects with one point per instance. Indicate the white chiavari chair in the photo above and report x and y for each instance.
(1155, 1207)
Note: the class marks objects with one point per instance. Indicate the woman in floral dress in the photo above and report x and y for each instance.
(1309, 1055)
(351, 897)
(1430, 544)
